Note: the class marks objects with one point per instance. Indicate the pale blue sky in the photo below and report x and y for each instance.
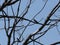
(50, 37)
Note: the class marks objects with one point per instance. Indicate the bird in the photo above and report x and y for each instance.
(36, 21)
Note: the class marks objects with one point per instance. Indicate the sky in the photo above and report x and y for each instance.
(50, 37)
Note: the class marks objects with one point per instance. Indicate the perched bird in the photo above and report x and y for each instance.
(36, 21)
